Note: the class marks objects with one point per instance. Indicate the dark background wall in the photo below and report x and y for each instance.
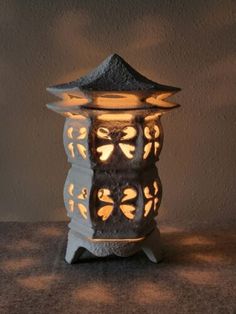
(190, 44)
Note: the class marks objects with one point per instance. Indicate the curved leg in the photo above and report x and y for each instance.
(152, 246)
(74, 248)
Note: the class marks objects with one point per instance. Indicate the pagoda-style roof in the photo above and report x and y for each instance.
(114, 81)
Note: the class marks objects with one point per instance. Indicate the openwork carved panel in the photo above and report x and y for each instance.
(125, 205)
(116, 138)
(77, 200)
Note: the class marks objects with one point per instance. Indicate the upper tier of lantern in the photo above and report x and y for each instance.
(114, 84)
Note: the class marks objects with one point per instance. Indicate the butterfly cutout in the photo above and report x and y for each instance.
(151, 136)
(77, 136)
(152, 199)
(106, 150)
(127, 209)
(83, 195)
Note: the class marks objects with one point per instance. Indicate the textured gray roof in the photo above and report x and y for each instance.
(113, 74)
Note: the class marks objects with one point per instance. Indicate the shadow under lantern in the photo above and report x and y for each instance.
(113, 137)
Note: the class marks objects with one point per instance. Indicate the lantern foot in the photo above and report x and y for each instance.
(152, 246)
(74, 249)
(78, 244)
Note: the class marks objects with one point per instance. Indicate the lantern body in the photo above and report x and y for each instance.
(113, 139)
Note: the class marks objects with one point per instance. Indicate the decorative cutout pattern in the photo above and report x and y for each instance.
(83, 195)
(78, 136)
(106, 150)
(151, 136)
(152, 198)
(127, 209)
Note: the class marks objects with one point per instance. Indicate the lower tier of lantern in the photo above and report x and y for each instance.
(112, 204)
(78, 244)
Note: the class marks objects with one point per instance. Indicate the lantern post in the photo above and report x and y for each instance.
(113, 138)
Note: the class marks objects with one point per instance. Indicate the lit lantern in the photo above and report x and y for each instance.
(113, 138)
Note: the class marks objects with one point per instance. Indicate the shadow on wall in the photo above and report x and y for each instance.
(183, 44)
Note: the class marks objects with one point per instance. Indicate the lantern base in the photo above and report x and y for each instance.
(78, 244)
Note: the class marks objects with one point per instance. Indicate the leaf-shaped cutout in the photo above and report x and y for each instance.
(82, 150)
(147, 208)
(155, 203)
(103, 133)
(147, 133)
(83, 195)
(71, 205)
(105, 151)
(129, 132)
(83, 210)
(104, 195)
(155, 185)
(157, 131)
(128, 210)
(129, 194)
(127, 149)
(71, 150)
(82, 133)
(70, 132)
(147, 150)
(70, 189)
(147, 193)
(156, 146)
(105, 212)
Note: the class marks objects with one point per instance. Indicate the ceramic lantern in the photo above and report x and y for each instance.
(113, 137)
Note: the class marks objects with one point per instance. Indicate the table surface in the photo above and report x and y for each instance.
(197, 274)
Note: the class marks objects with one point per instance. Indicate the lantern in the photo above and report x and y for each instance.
(113, 137)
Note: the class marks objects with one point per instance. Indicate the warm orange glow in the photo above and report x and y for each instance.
(71, 189)
(129, 194)
(71, 149)
(153, 117)
(147, 150)
(117, 240)
(81, 150)
(147, 133)
(105, 212)
(152, 136)
(83, 210)
(201, 277)
(147, 192)
(95, 293)
(104, 195)
(161, 100)
(38, 282)
(127, 149)
(114, 100)
(70, 132)
(83, 195)
(152, 198)
(128, 210)
(82, 133)
(129, 132)
(105, 151)
(103, 133)
(71, 205)
(115, 117)
(147, 208)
